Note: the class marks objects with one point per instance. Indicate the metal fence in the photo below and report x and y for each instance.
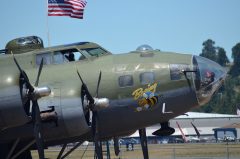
(163, 151)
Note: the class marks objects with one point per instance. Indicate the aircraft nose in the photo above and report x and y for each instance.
(209, 77)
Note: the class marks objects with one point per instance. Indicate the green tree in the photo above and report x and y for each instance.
(226, 106)
(209, 50)
(222, 58)
(235, 69)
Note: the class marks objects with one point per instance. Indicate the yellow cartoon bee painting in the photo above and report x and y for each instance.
(146, 97)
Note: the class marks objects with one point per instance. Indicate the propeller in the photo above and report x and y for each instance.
(33, 93)
(98, 84)
(92, 105)
(85, 92)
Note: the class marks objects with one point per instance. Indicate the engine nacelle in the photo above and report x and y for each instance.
(12, 111)
(74, 117)
(65, 118)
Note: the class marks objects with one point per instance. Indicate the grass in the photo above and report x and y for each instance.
(166, 151)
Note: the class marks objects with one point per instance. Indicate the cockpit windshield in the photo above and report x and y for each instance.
(208, 78)
(97, 52)
(65, 55)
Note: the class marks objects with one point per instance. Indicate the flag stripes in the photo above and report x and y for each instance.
(72, 8)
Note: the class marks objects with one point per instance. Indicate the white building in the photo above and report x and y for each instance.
(205, 123)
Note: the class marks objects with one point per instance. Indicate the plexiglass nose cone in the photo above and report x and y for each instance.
(209, 77)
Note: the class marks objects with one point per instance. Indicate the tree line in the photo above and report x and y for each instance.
(228, 97)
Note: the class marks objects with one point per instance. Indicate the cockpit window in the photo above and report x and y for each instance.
(47, 58)
(59, 57)
(68, 55)
(95, 51)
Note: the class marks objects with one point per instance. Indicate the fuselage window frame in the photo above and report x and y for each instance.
(71, 55)
(58, 58)
(125, 81)
(147, 78)
(47, 58)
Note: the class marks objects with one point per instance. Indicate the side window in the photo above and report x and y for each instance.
(176, 71)
(68, 55)
(58, 58)
(47, 58)
(73, 55)
(147, 77)
(125, 81)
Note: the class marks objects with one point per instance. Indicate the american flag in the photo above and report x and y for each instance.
(72, 8)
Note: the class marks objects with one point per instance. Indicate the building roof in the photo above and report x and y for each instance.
(197, 115)
(205, 123)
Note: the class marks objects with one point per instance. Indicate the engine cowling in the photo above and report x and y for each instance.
(12, 111)
(62, 113)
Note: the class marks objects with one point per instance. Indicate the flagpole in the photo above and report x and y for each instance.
(47, 24)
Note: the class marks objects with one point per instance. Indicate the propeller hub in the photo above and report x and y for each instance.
(101, 103)
(41, 92)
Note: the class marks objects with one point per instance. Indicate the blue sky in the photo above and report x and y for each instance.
(121, 26)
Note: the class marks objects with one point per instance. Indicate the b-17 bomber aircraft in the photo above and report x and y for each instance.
(82, 92)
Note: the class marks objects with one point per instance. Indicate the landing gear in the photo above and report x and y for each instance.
(25, 155)
(62, 156)
(4, 149)
(105, 151)
(143, 138)
(116, 146)
(165, 130)
(11, 150)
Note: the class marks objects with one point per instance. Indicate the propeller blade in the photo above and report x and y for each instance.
(30, 87)
(85, 91)
(98, 144)
(39, 73)
(18, 66)
(80, 77)
(35, 107)
(143, 138)
(98, 84)
(94, 122)
(27, 106)
(37, 128)
(82, 94)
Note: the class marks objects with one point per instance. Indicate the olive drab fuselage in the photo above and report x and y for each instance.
(144, 87)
